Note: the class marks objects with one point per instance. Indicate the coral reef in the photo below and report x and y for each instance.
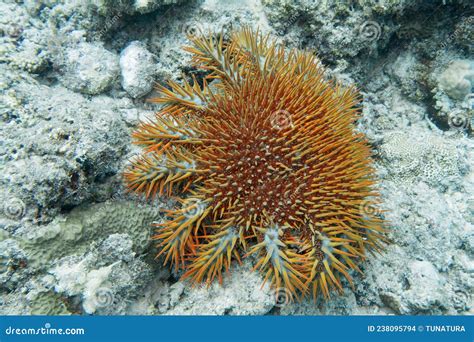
(436, 161)
(62, 151)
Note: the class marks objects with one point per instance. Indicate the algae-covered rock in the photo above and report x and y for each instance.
(48, 303)
(75, 233)
(138, 67)
(458, 79)
(89, 69)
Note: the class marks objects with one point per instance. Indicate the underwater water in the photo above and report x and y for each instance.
(78, 78)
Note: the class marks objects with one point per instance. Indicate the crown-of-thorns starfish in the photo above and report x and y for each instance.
(267, 162)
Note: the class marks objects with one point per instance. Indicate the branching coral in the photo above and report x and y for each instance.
(267, 162)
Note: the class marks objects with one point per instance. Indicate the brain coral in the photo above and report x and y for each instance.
(266, 162)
